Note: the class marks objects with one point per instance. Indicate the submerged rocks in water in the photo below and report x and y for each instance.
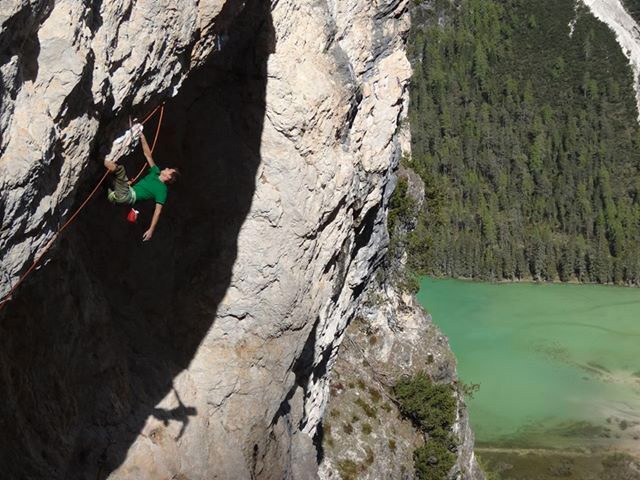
(525, 464)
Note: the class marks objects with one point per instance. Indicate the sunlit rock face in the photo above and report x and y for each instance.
(205, 352)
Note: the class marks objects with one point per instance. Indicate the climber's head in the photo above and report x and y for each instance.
(169, 175)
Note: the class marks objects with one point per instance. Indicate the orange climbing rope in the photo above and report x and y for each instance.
(153, 146)
(46, 248)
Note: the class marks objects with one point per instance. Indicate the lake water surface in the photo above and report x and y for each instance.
(558, 365)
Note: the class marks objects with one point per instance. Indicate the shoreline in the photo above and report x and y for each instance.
(551, 464)
(529, 282)
(559, 452)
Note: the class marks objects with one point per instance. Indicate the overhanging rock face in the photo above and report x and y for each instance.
(205, 352)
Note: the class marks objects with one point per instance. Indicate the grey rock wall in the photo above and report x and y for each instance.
(204, 353)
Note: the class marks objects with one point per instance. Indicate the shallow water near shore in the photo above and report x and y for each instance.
(558, 365)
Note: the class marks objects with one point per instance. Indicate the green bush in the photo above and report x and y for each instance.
(402, 208)
(430, 406)
(433, 461)
(404, 213)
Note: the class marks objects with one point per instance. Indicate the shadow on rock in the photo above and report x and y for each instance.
(181, 414)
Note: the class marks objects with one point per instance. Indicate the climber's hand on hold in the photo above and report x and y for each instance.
(136, 130)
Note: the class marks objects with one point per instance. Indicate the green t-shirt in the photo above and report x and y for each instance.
(151, 187)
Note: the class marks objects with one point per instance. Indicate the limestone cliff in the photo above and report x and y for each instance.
(203, 353)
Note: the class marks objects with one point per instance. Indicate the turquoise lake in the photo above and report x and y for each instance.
(558, 365)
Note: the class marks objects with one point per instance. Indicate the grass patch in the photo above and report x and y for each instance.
(370, 457)
(375, 394)
(369, 410)
(348, 469)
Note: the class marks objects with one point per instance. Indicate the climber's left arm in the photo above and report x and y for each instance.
(154, 221)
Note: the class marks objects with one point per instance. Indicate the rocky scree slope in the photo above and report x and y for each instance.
(614, 14)
(204, 353)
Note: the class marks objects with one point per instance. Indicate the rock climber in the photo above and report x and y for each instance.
(151, 186)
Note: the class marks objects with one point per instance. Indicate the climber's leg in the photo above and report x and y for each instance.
(122, 192)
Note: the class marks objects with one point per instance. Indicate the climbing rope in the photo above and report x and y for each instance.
(153, 145)
(46, 248)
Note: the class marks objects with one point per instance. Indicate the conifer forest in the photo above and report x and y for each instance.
(524, 129)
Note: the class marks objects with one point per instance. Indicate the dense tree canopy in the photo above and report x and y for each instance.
(524, 128)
